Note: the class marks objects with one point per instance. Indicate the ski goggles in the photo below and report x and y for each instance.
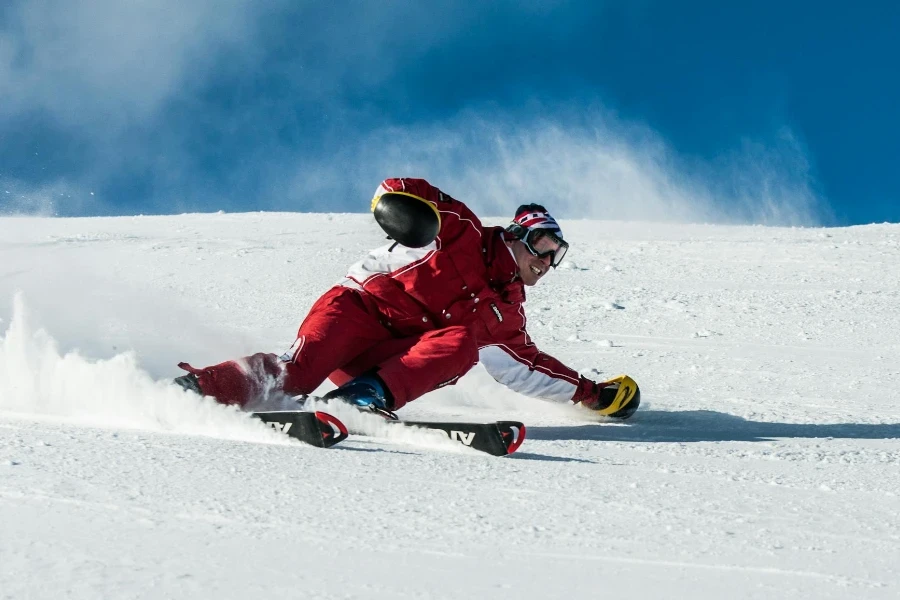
(543, 243)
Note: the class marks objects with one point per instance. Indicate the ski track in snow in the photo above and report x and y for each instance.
(764, 462)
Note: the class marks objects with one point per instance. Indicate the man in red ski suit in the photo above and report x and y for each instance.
(406, 321)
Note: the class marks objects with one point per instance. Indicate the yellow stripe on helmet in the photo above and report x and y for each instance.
(431, 205)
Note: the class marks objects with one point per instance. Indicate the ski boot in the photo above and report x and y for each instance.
(367, 393)
(619, 397)
(189, 383)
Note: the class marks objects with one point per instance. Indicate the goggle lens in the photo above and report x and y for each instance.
(542, 243)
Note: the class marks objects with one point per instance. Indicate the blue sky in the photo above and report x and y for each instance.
(765, 112)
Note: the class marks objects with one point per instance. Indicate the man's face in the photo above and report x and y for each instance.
(531, 268)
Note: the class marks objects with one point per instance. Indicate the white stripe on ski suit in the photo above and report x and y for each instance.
(516, 374)
(390, 260)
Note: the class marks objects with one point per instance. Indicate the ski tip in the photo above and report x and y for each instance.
(332, 429)
(512, 433)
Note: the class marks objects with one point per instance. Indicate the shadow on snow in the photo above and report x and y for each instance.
(709, 426)
(543, 457)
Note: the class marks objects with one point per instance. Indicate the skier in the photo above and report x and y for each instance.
(416, 314)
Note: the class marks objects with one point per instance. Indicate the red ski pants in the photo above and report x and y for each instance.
(342, 337)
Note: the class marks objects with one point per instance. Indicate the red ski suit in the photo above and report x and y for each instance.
(422, 317)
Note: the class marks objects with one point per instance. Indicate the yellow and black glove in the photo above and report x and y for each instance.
(619, 397)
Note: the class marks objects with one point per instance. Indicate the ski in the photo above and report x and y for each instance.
(498, 439)
(321, 429)
(315, 428)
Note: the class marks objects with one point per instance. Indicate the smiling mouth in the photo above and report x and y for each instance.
(536, 271)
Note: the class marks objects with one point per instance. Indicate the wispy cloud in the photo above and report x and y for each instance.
(17, 198)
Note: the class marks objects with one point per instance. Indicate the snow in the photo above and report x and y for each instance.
(763, 463)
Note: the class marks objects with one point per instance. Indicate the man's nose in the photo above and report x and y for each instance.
(545, 260)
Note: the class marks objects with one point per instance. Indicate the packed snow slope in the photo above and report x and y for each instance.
(764, 462)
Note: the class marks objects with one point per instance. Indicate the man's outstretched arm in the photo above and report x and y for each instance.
(514, 360)
(517, 363)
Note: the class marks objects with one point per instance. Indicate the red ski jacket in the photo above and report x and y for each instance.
(467, 276)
